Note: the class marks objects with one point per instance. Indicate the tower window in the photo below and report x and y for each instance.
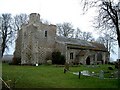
(45, 33)
(71, 55)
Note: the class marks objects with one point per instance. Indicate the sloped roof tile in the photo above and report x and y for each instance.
(81, 43)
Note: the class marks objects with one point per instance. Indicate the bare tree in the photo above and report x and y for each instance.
(108, 40)
(108, 14)
(87, 36)
(6, 30)
(19, 20)
(78, 33)
(65, 29)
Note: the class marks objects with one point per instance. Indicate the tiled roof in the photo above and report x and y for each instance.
(99, 46)
(81, 43)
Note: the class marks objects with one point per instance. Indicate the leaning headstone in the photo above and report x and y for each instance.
(101, 74)
(66, 66)
(65, 70)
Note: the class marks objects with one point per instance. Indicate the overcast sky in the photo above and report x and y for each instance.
(54, 11)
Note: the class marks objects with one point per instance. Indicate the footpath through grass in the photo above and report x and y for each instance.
(49, 76)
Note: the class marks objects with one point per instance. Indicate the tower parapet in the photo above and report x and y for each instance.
(34, 18)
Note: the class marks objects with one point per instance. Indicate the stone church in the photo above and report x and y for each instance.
(36, 42)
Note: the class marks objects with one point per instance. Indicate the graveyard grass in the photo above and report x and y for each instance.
(50, 76)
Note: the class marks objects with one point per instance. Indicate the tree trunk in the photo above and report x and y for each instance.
(118, 35)
(118, 38)
(118, 52)
(4, 44)
(3, 49)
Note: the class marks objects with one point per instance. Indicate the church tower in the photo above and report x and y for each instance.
(36, 41)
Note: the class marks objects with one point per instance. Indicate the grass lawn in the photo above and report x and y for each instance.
(49, 76)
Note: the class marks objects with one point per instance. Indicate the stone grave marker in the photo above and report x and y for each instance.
(66, 67)
(101, 74)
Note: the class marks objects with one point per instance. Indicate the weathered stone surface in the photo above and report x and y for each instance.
(101, 74)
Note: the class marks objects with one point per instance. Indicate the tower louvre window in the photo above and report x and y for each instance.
(71, 55)
(45, 33)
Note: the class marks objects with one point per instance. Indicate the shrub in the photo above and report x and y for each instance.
(57, 58)
(16, 61)
(62, 59)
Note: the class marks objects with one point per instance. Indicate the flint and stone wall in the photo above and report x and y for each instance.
(32, 46)
(36, 42)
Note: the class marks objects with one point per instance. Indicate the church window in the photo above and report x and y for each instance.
(71, 55)
(45, 33)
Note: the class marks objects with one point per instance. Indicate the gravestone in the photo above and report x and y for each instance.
(116, 74)
(101, 74)
(66, 68)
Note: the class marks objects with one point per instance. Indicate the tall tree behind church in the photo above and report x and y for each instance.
(6, 30)
(87, 36)
(9, 26)
(65, 29)
(109, 40)
(19, 20)
(108, 17)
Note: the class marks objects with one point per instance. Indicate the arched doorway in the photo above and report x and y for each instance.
(88, 61)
